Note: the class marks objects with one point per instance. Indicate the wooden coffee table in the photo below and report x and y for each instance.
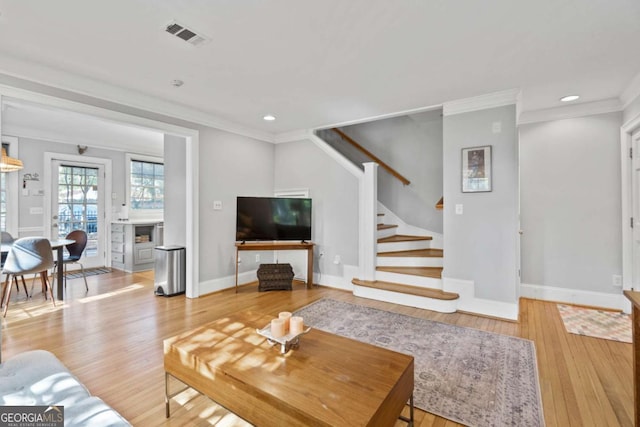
(328, 381)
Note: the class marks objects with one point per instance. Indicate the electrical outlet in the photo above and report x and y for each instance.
(336, 259)
(617, 281)
(257, 258)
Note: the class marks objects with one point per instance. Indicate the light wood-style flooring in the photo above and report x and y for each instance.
(111, 338)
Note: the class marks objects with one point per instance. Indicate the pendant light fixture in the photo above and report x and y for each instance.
(9, 164)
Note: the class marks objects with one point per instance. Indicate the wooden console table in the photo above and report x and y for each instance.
(634, 297)
(279, 246)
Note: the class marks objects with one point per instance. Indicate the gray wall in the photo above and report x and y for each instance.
(32, 155)
(334, 192)
(571, 202)
(481, 244)
(175, 199)
(230, 165)
(412, 145)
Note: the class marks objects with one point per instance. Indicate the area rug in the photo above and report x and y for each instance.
(88, 272)
(609, 325)
(466, 375)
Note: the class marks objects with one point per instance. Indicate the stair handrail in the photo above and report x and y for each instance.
(372, 156)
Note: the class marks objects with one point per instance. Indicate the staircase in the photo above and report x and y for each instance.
(408, 272)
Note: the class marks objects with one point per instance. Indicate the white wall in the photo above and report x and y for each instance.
(481, 244)
(571, 203)
(175, 200)
(412, 145)
(334, 194)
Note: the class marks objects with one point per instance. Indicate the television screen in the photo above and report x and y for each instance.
(273, 218)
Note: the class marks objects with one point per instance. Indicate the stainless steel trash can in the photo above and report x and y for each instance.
(170, 273)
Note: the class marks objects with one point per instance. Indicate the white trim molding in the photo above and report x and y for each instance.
(482, 102)
(336, 282)
(335, 155)
(571, 111)
(626, 176)
(469, 303)
(631, 92)
(575, 296)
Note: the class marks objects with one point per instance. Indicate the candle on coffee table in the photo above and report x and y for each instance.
(296, 325)
(277, 328)
(285, 315)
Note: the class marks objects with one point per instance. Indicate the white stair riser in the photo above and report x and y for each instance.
(387, 232)
(404, 246)
(388, 261)
(442, 306)
(409, 279)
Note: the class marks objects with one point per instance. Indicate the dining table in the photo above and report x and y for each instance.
(58, 245)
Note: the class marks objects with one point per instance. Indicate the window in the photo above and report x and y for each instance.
(146, 184)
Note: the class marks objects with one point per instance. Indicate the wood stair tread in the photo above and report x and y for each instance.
(406, 289)
(403, 238)
(421, 253)
(386, 226)
(433, 272)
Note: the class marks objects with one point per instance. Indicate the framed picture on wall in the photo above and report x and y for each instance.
(476, 169)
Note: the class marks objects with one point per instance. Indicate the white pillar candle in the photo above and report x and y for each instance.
(277, 328)
(296, 325)
(285, 315)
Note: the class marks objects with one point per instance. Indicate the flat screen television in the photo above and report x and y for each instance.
(273, 218)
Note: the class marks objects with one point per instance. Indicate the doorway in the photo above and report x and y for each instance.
(78, 202)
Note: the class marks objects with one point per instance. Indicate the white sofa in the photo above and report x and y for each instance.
(38, 378)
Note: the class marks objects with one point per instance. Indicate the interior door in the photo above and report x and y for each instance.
(78, 203)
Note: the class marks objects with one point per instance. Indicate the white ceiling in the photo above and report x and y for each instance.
(317, 63)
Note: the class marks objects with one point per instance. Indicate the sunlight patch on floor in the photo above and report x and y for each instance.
(129, 288)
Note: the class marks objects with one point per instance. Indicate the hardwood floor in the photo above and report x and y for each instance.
(111, 338)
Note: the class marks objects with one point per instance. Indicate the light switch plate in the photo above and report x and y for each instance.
(217, 205)
(459, 209)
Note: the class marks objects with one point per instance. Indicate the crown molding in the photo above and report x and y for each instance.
(631, 92)
(571, 111)
(49, 81)
(482, 102)
(295, 135)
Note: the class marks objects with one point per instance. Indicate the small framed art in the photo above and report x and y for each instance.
(476, 169)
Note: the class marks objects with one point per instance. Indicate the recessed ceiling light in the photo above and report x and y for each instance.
(269, 117)
(177, 83)
(569, 98)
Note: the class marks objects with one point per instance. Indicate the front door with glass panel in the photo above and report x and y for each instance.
(78, 204)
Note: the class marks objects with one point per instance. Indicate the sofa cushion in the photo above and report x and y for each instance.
(38, 378)
(92, 412)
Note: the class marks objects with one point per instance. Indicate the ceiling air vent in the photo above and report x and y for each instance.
(186, 34)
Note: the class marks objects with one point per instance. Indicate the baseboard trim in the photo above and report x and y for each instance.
(330, 281)
(215, 285)
(575, 296)
(470, 304)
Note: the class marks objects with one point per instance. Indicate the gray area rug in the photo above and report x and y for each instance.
(466, 375)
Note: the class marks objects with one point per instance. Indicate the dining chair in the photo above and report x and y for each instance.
(28, 255)
(7, 239)
(75, 253)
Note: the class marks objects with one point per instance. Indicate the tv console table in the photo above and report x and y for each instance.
(279, 246)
